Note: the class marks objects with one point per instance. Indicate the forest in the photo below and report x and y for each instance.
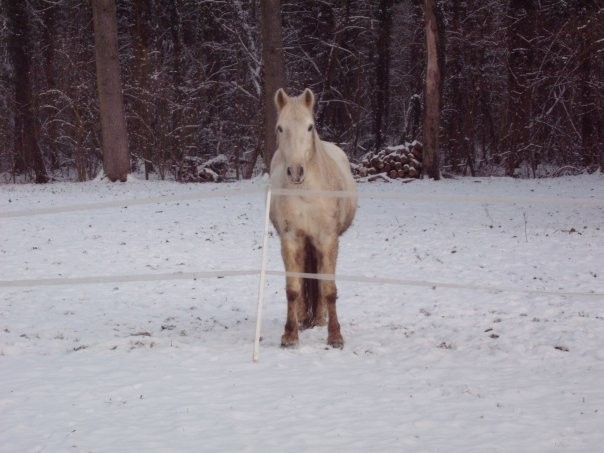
(521, 92)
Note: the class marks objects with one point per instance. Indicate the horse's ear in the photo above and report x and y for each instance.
(309, 99)
(281, 99)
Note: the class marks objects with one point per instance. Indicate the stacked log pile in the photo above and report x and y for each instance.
(402, 161)
(196, 169)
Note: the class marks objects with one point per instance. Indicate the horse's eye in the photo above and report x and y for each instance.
(279, 129)
(310, 128)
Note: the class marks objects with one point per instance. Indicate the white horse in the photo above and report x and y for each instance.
(309, 225)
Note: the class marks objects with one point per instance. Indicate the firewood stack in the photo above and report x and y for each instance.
(195, 169)
(402, 161)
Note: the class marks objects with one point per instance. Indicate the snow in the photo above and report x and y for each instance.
(166, 365)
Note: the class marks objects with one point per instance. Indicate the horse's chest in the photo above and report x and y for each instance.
(310, 215)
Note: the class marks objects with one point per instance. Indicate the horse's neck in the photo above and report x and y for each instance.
(318, 144)
(320, 153)
(325, 167)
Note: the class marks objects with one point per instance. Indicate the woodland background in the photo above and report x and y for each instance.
(522, 92)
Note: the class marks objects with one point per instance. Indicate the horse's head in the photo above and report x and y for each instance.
(295, 132)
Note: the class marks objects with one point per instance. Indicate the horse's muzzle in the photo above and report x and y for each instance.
(296, 174)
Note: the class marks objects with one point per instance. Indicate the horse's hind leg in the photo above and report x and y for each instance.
(327, 255)
(315, 314)
(292, 250)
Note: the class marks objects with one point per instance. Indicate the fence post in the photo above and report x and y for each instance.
(262, 277)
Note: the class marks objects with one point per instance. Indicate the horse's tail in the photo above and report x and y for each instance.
(311, 285)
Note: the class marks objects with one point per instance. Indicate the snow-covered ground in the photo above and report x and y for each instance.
(166, 365)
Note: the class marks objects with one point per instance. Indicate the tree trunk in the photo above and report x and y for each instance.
(455, 121)
(109, 85)
(178, 148)
(273, 68)
(333, 61)
(521, 30)
(382, 72)
(589, 33)
(28, 155)
(49, 39)
(432, 92)
(141, 127)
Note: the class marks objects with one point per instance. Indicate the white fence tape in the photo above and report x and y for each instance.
(408, 197)
(104, 279)
(132, 202)
(430, 284)
(442, 197)
(134, 278)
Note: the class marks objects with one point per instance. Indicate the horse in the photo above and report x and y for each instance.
(309, 226)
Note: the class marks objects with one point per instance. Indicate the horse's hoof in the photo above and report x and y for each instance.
(335, 341)
(288, 342)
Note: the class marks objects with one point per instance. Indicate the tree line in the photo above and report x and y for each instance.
(520, 82)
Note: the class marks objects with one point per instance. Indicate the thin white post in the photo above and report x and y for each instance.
(262, 277)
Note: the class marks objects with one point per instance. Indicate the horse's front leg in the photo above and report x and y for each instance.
(327, 252)
(292, 250)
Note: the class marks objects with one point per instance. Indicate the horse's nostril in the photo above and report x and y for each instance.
(295, 173)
